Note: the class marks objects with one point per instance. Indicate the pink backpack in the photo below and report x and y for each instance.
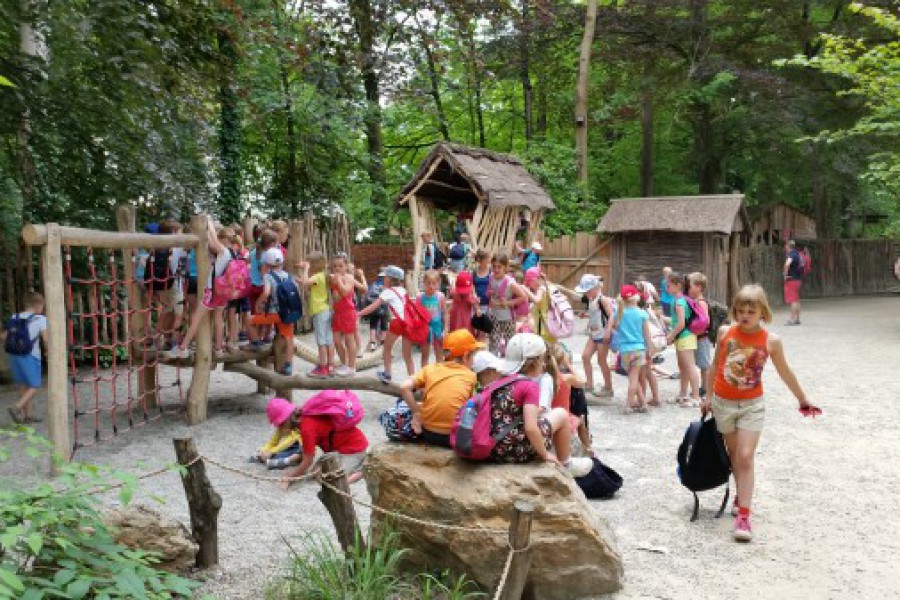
(342, 406)
(698, 323)
(477, 443)
(560, 317)
(234, 282)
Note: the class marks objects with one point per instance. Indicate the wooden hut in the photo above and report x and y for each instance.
(687, 233)
(775, 223)
(489, 191)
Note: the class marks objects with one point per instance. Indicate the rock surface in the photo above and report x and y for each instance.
(137, 526)
(574, 554)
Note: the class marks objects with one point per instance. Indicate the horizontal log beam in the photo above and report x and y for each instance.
(228, 358)
(36, 235)
(300, 382)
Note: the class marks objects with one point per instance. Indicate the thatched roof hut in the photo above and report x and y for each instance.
(487, 190)
(775, 223)
(687, 233)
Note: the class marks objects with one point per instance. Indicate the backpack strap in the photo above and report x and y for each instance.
(724, 501)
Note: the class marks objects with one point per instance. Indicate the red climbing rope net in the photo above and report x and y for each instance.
(116, 385)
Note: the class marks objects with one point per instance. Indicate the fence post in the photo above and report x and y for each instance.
(57, 373)
(519, 541)
(198, 398)
(340, 507)
(203, 501)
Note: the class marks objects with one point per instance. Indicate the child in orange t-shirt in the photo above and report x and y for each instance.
(737, 401)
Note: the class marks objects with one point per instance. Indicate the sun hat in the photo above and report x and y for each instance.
(464, 283)
(273, 257)
(461, 342)
(537, 246)
(392, 271)
(484, 360)
(629, 291)
(279, 410)
(587, 283)
(533, 273)
(520, 348)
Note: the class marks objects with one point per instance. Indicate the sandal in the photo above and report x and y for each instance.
(688, 403)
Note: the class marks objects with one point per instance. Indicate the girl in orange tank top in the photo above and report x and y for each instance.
(737, 401)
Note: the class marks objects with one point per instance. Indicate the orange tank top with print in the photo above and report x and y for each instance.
(742, 357)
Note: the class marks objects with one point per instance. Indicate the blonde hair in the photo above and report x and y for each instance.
(279, 226)
(33, 300)
(502, 258)
(432, 275)
(316, 259)
(697, 278)
(224, 234)
(751, 294)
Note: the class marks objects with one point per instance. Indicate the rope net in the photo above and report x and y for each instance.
(114, 344)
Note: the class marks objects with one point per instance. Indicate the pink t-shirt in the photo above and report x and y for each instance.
(526, 391)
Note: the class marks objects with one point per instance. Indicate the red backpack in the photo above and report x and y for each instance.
(805, 261)
(342, 406)
(470, 436)
(415, 320)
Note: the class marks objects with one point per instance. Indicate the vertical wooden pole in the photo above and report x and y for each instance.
(203, 501)
(734, 258)
(198, 395)
(247, 225)
(57, 378)
(340, 507)
(29, 266)
(519, 539)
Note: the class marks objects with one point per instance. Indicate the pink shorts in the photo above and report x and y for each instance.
(792, 291)
(211, 302)
(344, 321)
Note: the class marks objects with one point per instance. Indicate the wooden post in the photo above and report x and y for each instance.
(340, 507)
(519, 539)
(203, 501)
(198, 395)
(148, 391)
(58, 373)
(734, 258)
(247, 225)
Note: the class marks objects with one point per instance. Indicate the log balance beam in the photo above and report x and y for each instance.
(301, 382)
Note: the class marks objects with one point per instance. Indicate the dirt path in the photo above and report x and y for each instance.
(825, 488)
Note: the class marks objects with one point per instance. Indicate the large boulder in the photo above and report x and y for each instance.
(139, 527)
(574, 552)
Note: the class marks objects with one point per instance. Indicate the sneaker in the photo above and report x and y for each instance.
(383, 376)
(254, 459)
(344, 371)
(603, 392)
(242, 336)
(278, 463)
(253, 346)
(287, 369)
(742, 531)
(579, 466)
(17, 415)
(319, 372)
(373, 346)
(659, 359)
(792, 323)
(177, 352)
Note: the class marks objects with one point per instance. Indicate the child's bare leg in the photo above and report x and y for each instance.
(219, 319)
(387, 350)
(633, 398)
(589, 349)
(584, 435)
(339, 347)
(654, 387)
(603, 362)
(693, 375)
(742, 445)
(25, 396)
(438, 346)
(406, 345)
(426, 352)
(684, 376)
(196, 318)
(350, 350)
(329, 355)
(562, 434)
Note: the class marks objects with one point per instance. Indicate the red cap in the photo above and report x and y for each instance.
(629, 291)
(464, 283)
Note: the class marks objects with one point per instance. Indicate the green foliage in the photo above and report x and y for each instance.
(54, 544)
(320, 571)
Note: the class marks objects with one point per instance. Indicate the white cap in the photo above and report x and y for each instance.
(537, 246)
(484, 360)
(273, 256)
(587, 283)
(520, 348)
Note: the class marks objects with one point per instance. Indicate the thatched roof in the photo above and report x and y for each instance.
(461, 176)
(719, 214)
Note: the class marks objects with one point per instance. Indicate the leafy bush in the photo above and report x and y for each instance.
(54, 544)
(322, 572)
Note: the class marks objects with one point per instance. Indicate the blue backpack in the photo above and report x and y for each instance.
(290, 305)
(18, 339)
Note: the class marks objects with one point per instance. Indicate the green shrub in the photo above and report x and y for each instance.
(54, 544)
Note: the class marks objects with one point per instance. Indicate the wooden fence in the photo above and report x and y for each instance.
(839, 268)
(567, 258)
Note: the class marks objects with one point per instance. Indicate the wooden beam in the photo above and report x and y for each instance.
(412, 193)
(584, 261)
(453, 188)
(58, 372)
(301, 382)
(36, 235)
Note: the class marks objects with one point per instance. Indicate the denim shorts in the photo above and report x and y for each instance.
(26, 370)
(703, 353)
(322, 328)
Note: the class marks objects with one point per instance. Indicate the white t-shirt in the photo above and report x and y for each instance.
(35, 327)
(394, 297)
(545, 384)
(222, 261)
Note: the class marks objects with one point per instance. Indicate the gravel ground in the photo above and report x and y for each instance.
(823, 485)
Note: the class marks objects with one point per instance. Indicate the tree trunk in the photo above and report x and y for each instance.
(33, 58)
(525, 70)
(287, 184)
(646, 141)
(229, 128)
(581, 92)
(433, 77)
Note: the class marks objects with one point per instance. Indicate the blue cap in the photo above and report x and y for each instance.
(151, 228)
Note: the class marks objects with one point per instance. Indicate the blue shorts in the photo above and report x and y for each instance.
(26, 370)
(435, 330)
(703, 353)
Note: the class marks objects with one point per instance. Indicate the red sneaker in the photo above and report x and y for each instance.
(742, 531)
(319, 372)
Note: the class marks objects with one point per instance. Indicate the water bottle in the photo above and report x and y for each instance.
(464, 431)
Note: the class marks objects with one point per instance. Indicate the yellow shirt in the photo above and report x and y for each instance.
(278, 443)
(447, 386)
(318, 294)
(539, 317)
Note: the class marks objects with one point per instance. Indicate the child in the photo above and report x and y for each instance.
(433, 301)
(665, 298)
(537, 291)
(446, 387)
(344, 322)
(282, 234)
(359, 293)
(268, 300)
(503, 294)
(283, 448)
(320, 311)
(464, 304)
(217, 241)
(265, 240)
(522, 311)
(703, 353)
(378, 320)
(685, 343)
(569, 394)
(658, 344)
(486, 367)
(27, 327)
(634, 345)
(600, 309)
(394, 296)
(238, 310)
(737, 401)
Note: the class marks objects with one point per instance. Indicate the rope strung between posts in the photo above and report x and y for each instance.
(507, 566)
(250, 475)
(148, 475)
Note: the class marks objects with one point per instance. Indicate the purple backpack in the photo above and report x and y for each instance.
(342, 406)
(481, 442)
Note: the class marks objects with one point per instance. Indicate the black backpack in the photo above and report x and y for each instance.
(457, 251)
(601, 482)
(703, 462)
(718, 316)
(18, 339)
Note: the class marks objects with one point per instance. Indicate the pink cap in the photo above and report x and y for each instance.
(279, 410)
(533, 273)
